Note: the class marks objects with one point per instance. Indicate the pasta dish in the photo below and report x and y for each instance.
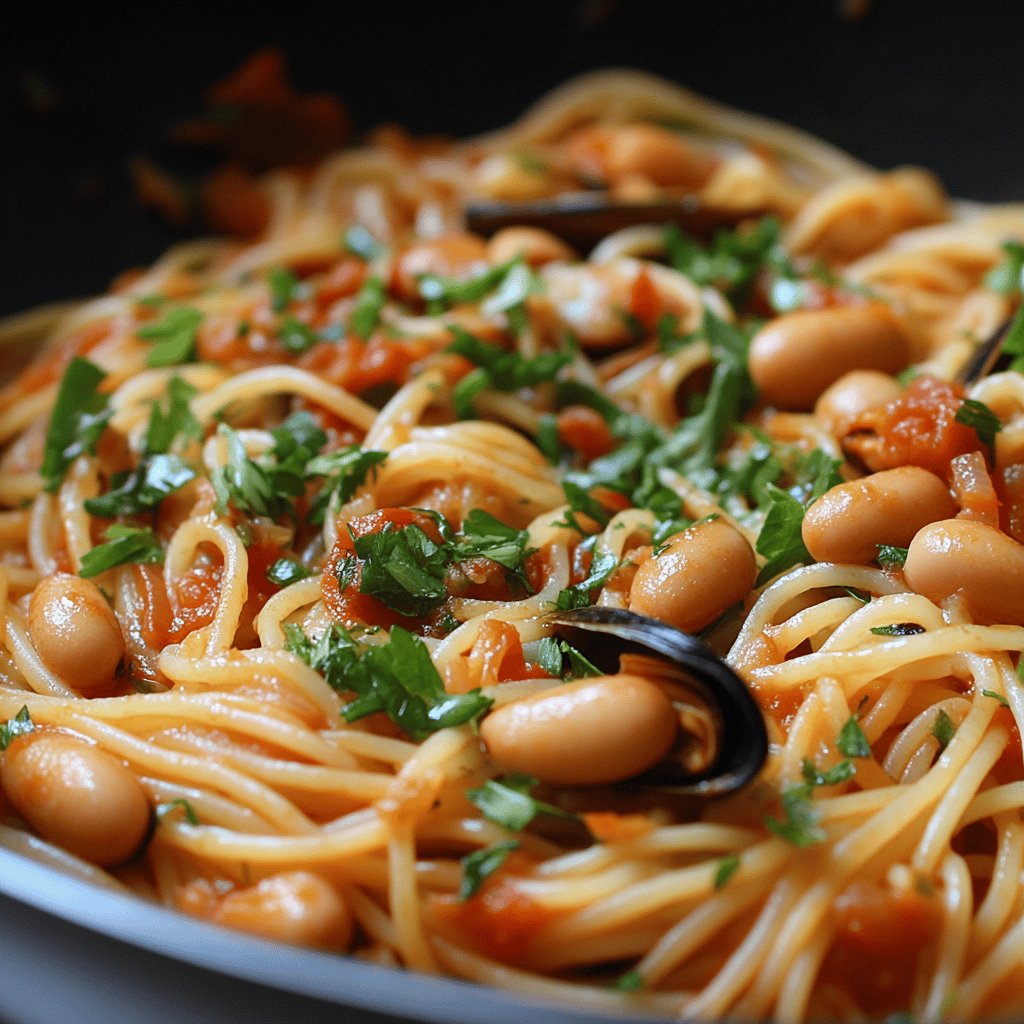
(585, 559)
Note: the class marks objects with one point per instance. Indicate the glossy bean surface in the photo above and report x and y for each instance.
(847, 523)
(852, 395)
(76, 795)
(75, 632)
(979, 563)
(795, 357)
(587, 732)
(701, 572)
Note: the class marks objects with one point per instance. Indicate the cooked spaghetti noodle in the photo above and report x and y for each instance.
(283, 518)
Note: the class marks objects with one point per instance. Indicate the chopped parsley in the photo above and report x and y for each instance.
(481, 864)
(408, 571)
(124, 545)
(982, 420)
(733, 260)
(800, 826)
(507, 802)
(344, 472)
(396, 677)
(1007, 277)
(898, 629)
(20, 724)
(166, 426)
(181, 805)
(498, 369)
(943, 729)
(143, 488)
(369, 302)
(286, 571)
(724, 870)
(891, 557)
(295, 336)
(851, 741)
(79, 417)
(996, 696)
(284, 287)
(442, 292)
(174, 337)
(563, 661)
(780, 540)
(630, 981)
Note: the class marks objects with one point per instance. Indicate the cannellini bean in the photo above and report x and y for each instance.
(702, 571)
(587, 732)
(75, 632)
(795, 357)
(854, 394)
(535, 245)
(980, 563)
(296, 907)
(76, 795)
(847, 523)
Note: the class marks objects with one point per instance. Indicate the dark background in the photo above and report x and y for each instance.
(937, 83)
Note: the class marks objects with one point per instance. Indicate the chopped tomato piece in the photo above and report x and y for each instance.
(920, 428)
(584, 430)
(880, 934)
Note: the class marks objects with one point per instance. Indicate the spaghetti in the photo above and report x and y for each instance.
(283, 518)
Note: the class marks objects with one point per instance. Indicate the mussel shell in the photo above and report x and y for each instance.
(604, 634)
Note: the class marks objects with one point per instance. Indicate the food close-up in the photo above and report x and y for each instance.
(584, 559)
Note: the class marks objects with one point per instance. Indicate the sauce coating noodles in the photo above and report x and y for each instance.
(282, 519)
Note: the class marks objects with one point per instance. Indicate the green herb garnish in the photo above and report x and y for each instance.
(124, 545)
(79, 417)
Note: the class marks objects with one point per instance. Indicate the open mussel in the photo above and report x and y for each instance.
(721, 742)
(583, 218)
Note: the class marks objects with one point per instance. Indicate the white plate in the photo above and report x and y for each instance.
(77, 954)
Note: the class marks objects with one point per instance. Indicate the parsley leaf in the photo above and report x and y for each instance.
(726, 868)
(143, 488)
(484, 536)
(403, 568)
(943, 729)
(1007, 277)
(396, 677)
(891, 557)
(898, 629)
(996, 696)
(852, 742)
(630, 981)
(296, 336)
(780, 540)
(124, 544)
(507, 802)
(175, 337)
(286, 571)
(369, 302)
(187, 810)
(982, 420)
(20, 724)
(345, 471)
(800, 827)
(552, 654)
(481, 864)
(284, 286)
(440, 290)
(498, 369)
(165, 426)
(79, 417)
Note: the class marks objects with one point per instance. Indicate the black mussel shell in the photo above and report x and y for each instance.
(603, 635)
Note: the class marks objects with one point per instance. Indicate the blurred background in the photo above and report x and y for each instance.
(86, 94)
